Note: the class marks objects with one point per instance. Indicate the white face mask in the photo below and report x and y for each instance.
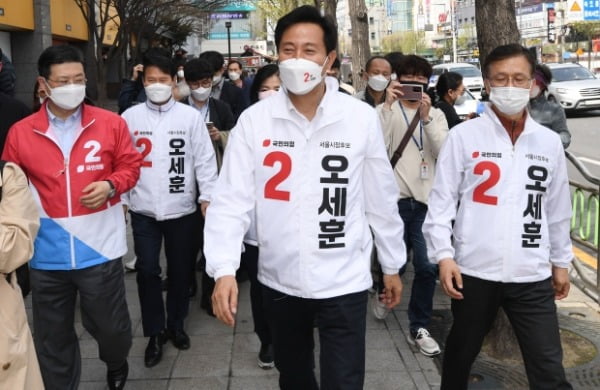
(180, 73)
(535, 91)
(183, 90)
(265, 94)
(300, 76)
(378, 82)
(67, 97)
(460, 100)
(217, 79)
(158, 93)
(509, 100)
(201, 94)
(234, 76)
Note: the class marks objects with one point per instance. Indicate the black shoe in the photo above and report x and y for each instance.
(116, 378)
(179, 339)
(265, 357)
(153, 352)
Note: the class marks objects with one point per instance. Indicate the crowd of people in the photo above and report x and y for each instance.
(319, 193)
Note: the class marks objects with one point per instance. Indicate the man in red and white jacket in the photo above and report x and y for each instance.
(503, 179)
(78, 159)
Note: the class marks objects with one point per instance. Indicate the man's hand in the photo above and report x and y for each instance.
(214, 133)
(560, 282)
(425, 106)
(392, 292)
(449, 276)
(225, 299)
(392, 94)
(96, 194)
(203, 207)
(137, 70)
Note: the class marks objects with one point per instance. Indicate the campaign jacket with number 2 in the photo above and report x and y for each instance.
(178, 159)
(512, 223)
(319, 187)
(72, 236)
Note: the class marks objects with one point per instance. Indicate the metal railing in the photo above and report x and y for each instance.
(584, 226)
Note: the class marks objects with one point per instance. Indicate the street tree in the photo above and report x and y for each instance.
(361, 51)
(407, 42)
(496, 25)
(273, 10)
(588, 30)
(134, 21)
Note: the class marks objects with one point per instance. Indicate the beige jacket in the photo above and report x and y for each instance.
(408, 168)
(19, 224)
(19, 219)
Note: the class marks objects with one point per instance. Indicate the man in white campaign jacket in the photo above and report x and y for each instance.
(313, 163)
(178, 159)
(503, 179)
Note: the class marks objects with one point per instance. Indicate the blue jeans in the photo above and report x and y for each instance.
(420, 306)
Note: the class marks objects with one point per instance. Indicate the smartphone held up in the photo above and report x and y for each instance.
(410, 92)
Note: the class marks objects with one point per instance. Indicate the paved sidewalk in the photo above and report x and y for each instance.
(222, 358)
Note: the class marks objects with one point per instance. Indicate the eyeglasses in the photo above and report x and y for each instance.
(205, 83)
(519, 80)
(63, 82)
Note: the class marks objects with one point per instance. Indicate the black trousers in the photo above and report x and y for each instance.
(249, 262)
(531, 310)
(341, 323)
(104, 315)
(179, 236)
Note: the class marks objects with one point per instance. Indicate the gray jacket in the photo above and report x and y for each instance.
(551, 115)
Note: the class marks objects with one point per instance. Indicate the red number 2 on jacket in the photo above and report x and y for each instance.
(146, 144)
(285, 167)
(479, 193)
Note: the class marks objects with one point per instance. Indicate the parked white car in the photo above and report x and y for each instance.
(472, 79)
(574, 87)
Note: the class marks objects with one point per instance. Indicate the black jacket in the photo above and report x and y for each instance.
(233, 96)
(11, 111)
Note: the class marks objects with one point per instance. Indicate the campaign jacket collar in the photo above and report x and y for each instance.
(329, 110)
(41, 122)
(163, 107)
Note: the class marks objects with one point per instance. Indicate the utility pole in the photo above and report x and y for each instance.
(453, 28)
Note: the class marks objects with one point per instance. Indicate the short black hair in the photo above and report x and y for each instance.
(263, 73)
(370, 61)
(160, 58)
(214, 58)
(413, 65)
(197, 69)
(448, 81)
(336, 64)
(545, 72)
(55, 55)
(394, 58)
(503, 52)
(235, 62)
(308, 14)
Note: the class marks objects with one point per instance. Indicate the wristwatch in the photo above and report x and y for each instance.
(113, 190)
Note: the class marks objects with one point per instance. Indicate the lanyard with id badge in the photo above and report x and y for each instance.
(423, 166)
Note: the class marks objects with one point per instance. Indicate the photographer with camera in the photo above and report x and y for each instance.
(414, 132)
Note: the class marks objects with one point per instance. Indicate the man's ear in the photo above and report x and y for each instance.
(42, 86)
(330, 59)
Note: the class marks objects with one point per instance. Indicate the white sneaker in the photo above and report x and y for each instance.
(380, 310)
(427, 345)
